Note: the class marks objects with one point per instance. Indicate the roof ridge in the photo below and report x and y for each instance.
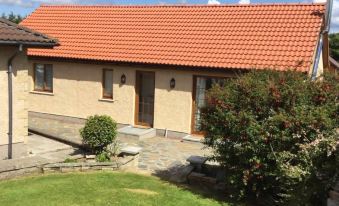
(182, 5)
(27, 30)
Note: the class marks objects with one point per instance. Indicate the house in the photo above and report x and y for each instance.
(14, 41)
(150, 66)
(334, 65)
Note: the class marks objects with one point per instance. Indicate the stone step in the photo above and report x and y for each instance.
(180, 173)
(131, 150)
(205, 182)
(193, 138)
(196, 177)
(136, 133)
(197, 162)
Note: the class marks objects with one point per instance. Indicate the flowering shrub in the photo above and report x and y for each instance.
(275, 134)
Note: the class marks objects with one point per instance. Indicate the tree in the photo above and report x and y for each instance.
(334, 46)
(13, 17)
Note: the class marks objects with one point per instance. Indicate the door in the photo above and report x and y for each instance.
(144, 107)
(201, 84)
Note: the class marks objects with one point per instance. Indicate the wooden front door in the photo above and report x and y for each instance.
(144, 107)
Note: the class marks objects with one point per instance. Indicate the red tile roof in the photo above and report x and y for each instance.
(279, 36)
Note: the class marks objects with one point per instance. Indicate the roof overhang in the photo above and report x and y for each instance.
(28, 44)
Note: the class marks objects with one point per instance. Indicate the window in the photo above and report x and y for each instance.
(107, 84)
(43, 77)
(202, 85)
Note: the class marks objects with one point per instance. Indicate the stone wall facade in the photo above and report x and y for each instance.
(77, 93)
(20, 107)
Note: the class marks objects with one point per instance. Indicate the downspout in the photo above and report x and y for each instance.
(10, 102)
(320, 44)
(317, 59)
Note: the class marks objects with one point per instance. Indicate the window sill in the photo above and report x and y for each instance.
(106, 100)
(42, 93)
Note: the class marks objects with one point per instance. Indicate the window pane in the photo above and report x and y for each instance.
(49, 77)
(39, 77)
(203, 84)
(108, 83)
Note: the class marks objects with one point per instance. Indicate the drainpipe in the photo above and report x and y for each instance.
(10, 102)
(328, 18)
(317, 59)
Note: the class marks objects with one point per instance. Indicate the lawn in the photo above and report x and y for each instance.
(100, 188)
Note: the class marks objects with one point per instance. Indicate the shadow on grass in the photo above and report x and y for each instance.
(176, 175)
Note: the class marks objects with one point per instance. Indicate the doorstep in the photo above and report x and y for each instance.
(193, 138)
(136, 133)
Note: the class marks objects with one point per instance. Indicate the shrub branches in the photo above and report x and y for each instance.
(275, 133)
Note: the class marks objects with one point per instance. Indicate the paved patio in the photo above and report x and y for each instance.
(38, 145)
(41, 151)
(158, 153)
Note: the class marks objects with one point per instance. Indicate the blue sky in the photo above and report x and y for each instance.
(25, 7)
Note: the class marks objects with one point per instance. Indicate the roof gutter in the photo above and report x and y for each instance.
(328, 17)
(29, 44)
(10, 100)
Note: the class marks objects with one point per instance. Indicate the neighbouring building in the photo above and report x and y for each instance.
(150, 66)
(14, 41)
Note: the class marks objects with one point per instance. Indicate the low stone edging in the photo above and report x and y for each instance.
(86, 166)
(83, 166)
(36, 166)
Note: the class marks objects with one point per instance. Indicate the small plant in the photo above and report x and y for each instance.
(103, 157)
(113, 149)
(99, 132)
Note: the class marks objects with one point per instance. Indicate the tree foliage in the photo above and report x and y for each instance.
(275, 134)
(334, 46)
(13, 17)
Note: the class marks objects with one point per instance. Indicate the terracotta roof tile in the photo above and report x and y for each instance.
(278, 36)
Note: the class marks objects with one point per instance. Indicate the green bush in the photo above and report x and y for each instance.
(99, 131)
(275, 134)
(103, 157)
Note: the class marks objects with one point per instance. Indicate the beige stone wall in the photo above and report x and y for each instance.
(78, 90)
(20, 93)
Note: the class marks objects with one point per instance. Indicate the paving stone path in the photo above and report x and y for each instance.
(158, 153)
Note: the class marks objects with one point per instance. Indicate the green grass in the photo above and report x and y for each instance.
(100, 188)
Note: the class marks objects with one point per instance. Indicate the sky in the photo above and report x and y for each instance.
(25, 7)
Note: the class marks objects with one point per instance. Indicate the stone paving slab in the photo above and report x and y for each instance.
(39, 145)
